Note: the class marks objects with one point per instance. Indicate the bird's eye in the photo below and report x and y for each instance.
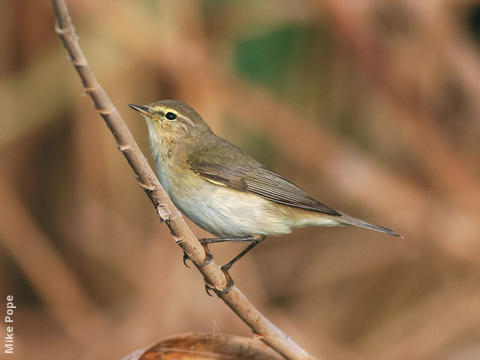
(170, 115)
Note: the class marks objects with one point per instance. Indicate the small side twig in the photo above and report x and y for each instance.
(167, 212)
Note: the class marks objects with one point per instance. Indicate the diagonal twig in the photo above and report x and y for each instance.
(167, 212)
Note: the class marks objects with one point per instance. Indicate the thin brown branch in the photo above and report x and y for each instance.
(167, 212)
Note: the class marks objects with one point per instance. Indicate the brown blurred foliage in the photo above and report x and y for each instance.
(372, 107)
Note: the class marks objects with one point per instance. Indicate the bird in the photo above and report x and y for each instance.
(224, 190)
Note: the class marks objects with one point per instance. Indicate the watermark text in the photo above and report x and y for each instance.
(10, 310)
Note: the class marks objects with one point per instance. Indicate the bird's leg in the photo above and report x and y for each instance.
(207, 241)
(228, 265)
(230, 283)
(225, 239)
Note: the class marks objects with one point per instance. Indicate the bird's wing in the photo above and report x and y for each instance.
(253, 178)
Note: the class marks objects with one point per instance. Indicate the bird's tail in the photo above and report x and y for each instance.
(350, 220)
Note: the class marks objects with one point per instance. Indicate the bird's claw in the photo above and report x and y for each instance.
(208, 288)
(208, 257)
(185, 258)
(230, 284)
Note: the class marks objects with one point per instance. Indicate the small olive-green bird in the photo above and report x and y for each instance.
(221, 188)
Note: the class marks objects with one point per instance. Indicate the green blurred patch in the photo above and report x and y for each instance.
(151, 7)
(268, 57)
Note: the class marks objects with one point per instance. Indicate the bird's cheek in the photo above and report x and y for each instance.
(184, 129)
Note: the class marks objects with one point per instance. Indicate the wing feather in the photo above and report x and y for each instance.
(260, 181)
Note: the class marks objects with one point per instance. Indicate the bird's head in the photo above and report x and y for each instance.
(171, 120)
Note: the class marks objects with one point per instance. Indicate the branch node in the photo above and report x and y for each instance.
(147, 187)
(122, 148)
(257, 336)
(93, 88)
(79, 62)
(105, 112)
(163, 212)
(178, 240)
(59, 30)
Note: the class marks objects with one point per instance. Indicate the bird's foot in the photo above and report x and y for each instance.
(254, 240)
(230, 284)
(208, 256)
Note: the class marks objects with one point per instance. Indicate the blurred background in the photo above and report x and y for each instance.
(372, 107)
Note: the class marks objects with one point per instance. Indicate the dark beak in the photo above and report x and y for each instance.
(141, 109)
